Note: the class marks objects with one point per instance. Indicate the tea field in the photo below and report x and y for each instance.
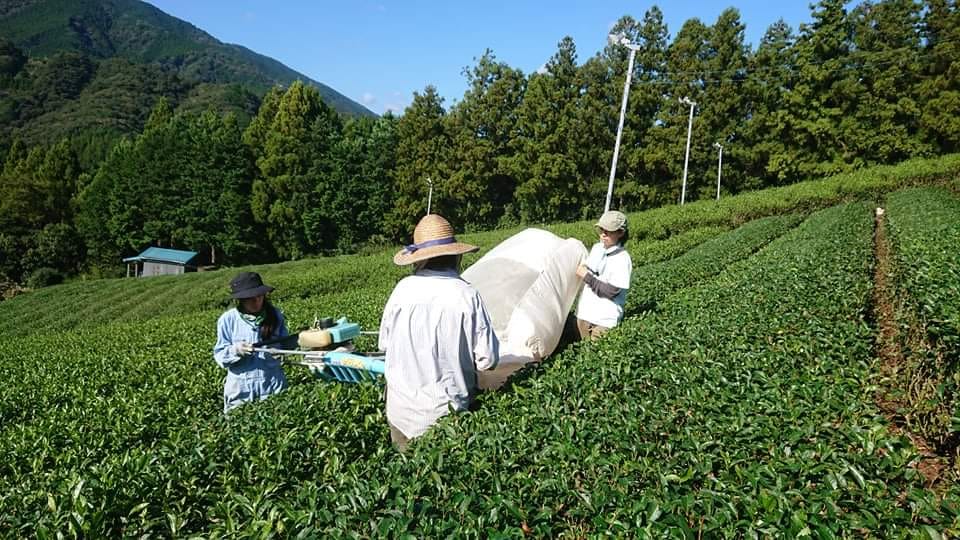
(739, 398)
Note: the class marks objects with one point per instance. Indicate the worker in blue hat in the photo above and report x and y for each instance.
(251, 375)
(606, 277)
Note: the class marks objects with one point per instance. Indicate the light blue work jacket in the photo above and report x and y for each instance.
(252, 377)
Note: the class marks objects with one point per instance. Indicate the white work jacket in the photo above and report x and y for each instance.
(611, 265)
(436, 334)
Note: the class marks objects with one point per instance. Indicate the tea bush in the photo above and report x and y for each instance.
(924, 230)
(654, 282)
(742, 407)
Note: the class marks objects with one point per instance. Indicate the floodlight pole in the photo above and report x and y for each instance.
(719, 147)
(686, 160)
(429, 195)
(622, 40)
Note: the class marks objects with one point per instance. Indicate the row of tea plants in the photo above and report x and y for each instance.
(924, 230)
(739, 406)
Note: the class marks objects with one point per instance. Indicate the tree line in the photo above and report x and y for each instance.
(877, 84)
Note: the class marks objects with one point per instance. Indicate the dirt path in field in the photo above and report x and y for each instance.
(889, 352)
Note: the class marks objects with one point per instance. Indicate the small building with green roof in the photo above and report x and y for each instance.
(155, 261)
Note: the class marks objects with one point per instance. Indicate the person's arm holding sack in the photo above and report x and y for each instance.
(600, 288)
(486, 348)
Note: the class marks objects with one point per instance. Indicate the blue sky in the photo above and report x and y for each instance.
(378, 52)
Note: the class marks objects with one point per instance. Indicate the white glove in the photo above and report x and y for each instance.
(243, 348)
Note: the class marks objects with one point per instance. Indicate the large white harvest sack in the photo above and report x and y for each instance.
(528, 284)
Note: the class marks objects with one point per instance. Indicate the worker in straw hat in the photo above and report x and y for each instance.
(436, 333)
(606, 276)
(250, 375)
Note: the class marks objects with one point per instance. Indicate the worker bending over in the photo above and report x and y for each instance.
(436, 333)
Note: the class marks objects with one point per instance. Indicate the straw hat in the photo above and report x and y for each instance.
(433, 237)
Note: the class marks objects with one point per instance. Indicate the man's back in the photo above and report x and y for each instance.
(436, 334)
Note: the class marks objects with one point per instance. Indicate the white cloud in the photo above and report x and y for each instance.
(542, 70)
(368, 99)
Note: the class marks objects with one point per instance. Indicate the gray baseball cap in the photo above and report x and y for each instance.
(612, 220)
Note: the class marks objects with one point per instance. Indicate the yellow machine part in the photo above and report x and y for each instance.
(314, 339)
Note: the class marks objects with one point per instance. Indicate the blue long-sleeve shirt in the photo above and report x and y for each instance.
(252, 377)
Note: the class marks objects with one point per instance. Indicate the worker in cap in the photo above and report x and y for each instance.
(251, 375)
(436, 333)
(606, 276)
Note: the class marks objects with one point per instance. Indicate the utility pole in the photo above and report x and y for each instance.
(719, 147)
(686, 161)
(620, 39)
(429, 195)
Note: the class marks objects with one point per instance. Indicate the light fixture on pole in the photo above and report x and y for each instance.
(429, 195)
(620, 39)
(719, 147)
(686, 161)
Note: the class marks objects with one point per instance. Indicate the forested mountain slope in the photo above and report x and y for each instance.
(143, 34)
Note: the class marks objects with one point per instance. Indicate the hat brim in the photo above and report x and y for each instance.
(606, 228)
(404, 257)
(250, 293)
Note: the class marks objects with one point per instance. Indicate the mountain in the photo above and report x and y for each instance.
(140, 33)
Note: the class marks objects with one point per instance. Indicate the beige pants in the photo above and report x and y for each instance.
(398, 438)
(588, 329)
